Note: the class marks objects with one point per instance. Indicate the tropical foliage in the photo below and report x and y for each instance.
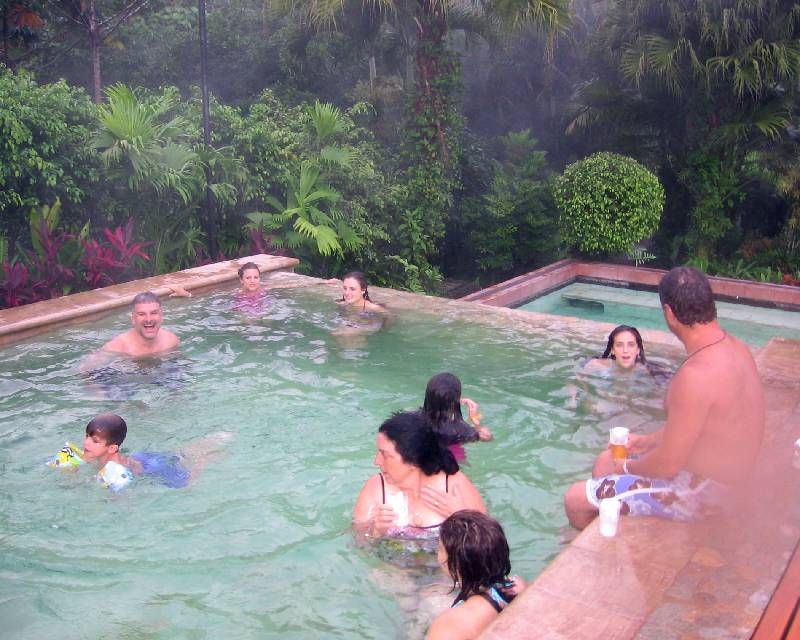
(607, 203)
(347, 134)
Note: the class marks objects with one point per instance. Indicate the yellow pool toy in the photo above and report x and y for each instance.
(70, 458)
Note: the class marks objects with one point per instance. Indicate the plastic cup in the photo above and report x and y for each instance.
(398, 501)
(796, 456)
(618, 439)
(609, 516)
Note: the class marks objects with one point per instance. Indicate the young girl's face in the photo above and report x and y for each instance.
(625, 349)
(251, 280)
(352, 291)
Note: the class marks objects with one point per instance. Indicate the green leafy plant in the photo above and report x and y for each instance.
(607, 203)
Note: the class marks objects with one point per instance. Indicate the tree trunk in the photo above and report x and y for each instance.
(4, 56)
(95, 41)
(431, 101)
(373, 72)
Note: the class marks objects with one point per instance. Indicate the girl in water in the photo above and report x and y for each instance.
(442, 406)
(360, 314)
(624, 351)
(355, 296)
(625, 354)
(251, 298)
(473, 551)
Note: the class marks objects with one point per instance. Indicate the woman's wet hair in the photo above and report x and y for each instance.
(477, 552)
(362, 282)
(108, 426)
(246, 267)
(688, 293)
(413, 437)
(613, 336)
(443, 399)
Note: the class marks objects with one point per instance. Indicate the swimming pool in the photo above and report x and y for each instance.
(260, 546)
(642, 309)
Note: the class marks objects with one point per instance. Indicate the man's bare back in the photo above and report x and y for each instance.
(727, 402)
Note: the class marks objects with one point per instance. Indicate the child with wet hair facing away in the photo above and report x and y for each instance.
(473, 551)
(442, 406)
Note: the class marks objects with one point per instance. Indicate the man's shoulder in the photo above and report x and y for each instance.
(119, 344)
(168, 339)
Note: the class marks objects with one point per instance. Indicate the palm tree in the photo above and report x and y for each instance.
(430, 19)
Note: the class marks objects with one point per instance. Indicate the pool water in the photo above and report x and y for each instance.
(642, 309)
(259, 546)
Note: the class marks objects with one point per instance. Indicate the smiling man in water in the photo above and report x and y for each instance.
(715, 421)
(147, 337)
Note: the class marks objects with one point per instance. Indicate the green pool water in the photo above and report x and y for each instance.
(754, 325)
(259, 546)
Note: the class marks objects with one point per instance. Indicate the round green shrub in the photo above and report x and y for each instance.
(607, 203)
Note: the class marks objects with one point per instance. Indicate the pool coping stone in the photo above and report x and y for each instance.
(18, 323)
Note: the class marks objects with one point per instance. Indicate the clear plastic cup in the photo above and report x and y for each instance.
(609, 516)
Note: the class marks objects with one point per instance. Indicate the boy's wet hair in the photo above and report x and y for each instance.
(109, 426)
(146, 297)
(246, 267)
(688, 293)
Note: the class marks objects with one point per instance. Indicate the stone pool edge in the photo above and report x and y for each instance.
(18, 323)
(533, 284)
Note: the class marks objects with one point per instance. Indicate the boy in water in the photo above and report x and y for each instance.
(101, 447)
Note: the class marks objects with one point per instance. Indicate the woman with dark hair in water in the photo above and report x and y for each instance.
(418, 486)
(360, 315)
(442, 406)
(625, 353)
(355, 295)
(473, 551)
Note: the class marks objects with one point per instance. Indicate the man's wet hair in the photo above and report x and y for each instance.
(108, 426)
(146, 297)
(688, 293)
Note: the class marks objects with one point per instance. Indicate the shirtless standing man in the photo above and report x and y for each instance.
(715, 420)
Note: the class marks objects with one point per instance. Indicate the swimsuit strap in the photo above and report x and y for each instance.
(446, 483)
(383, 489)
(488, 597)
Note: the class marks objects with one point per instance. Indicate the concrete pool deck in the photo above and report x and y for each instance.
(655, 579)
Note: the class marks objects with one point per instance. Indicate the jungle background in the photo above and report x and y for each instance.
(414, 140)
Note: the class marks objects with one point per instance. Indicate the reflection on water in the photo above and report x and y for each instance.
(260, 546)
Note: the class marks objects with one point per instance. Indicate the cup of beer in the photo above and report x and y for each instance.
(618, 439)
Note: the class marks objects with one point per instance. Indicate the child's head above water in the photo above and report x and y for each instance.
(250, 276)
(443, 398)
(104, 436)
